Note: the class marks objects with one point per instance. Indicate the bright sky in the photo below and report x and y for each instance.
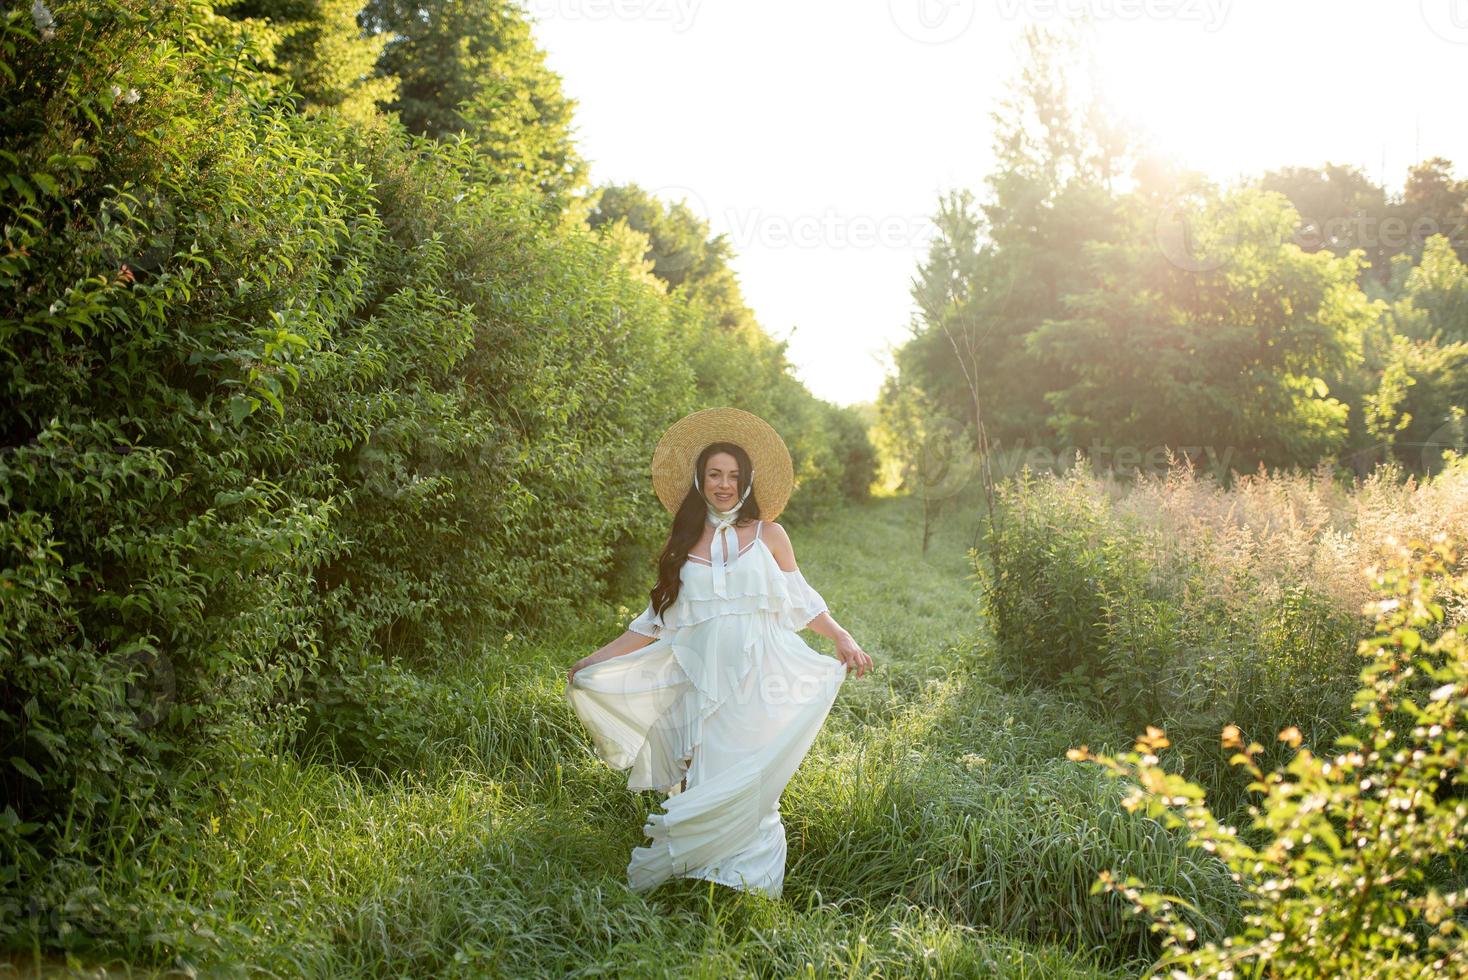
(820, 135)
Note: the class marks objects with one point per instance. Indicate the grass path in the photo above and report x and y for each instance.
(935, 829)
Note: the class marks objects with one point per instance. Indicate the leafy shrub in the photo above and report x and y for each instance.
(1357, 870)
(1061, 555)
(291, 407)
(1175, 603)
(156, 245)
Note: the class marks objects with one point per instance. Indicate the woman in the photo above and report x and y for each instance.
(711, 696)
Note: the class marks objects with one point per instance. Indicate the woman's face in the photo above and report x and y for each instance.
(721, 480)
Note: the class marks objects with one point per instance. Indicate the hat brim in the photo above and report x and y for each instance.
(677, 452)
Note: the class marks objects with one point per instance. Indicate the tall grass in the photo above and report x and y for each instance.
(1175, 602)
(936, 828)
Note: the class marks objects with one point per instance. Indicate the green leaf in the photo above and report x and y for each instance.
(26, 769)
(239, 407)
(23, 187)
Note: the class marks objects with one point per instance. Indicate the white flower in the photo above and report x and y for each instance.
(44, 22)
(131, 96)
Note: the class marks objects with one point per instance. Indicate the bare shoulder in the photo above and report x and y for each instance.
(779, 544)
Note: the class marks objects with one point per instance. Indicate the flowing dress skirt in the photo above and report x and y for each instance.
(740, 695)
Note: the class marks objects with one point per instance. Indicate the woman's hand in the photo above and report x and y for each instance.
(628, 642)
(583, 662)
(850, 653)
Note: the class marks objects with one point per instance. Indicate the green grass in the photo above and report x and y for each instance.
(936, 828)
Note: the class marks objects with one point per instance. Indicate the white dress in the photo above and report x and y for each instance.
(729, 684)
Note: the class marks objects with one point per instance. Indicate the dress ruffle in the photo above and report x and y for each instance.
(704, 670)
(767, 589)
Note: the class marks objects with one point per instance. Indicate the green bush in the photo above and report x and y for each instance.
(1359, 869)
(1094, 595)
(292, 407)
(1065, 565)
(157, 252)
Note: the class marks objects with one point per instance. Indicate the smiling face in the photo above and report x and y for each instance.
(721, 480)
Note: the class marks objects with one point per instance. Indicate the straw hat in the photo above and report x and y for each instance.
(677, 452)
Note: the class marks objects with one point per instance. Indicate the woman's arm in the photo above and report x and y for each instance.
(827, 626)
(622, 645)
(848, 651)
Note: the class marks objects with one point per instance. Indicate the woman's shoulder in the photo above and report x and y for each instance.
(774, 529)
(779, 544)
(768, 529)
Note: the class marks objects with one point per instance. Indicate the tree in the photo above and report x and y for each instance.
(322, 52)
(1228, 346)
(992, 276)
(1419, 409)
(473, 66)
(683, 252)
(1434, 300)
(1435, 203)
(1340, 209)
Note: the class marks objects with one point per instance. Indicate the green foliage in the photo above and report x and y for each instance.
(1340, 210)
(998, 268)
(1434, 301)
(1119, 610)
(935, 830)
(161, 564)
(854, 458)
(1231, 325)
(320, 50)
(1229, 349)
(373, 715)
(293, 409)
(1434, 202)
(473, 66)
(1418, 410)
(1065, 567)
(990, 278)
(1359, 869)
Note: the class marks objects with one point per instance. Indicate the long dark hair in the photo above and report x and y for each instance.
(688, 523)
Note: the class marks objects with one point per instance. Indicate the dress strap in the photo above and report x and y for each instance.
(757, 527)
